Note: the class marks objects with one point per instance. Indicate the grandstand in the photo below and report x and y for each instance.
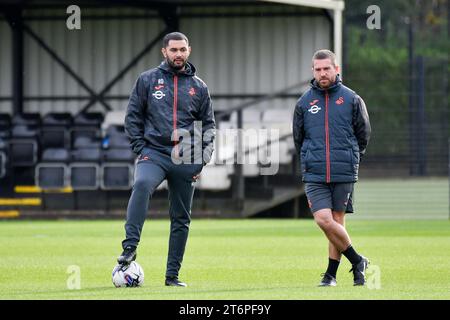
(83, 165)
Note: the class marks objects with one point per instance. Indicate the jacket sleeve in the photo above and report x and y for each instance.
(208, 126)
(135, 116)
(361, 124)
(298, 128)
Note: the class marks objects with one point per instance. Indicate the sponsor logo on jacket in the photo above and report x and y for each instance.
(314, 109)
(158, 94)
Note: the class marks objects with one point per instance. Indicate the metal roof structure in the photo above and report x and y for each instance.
(27, 17)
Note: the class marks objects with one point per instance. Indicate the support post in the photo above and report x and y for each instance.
(16, 22)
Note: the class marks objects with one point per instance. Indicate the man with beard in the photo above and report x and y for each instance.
(169, 114)
(331, 131)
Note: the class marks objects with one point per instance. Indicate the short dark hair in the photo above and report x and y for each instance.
(174, 36)
(324, 54)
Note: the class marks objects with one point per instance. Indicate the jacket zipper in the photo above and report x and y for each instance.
(175, 102)
(327, 139)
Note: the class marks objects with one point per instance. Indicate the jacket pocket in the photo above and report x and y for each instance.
(354, 160)
(307, 161)
(354, 156)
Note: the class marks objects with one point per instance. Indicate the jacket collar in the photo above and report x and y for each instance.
(337, 84)
(188, 71)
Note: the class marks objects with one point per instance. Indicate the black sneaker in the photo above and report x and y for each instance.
(174, 282)
(128, 255)
(327, 280)
(359, 270)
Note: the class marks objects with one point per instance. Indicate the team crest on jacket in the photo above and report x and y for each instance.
(340, 100)
(192, 92)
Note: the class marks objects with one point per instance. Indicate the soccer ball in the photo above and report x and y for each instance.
(131, 275)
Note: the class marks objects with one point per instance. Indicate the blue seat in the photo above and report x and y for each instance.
(23, 152)
(91, 119)
(117, 169)
(52, 172)
(86, 142)
(30, 119)
(63, 119)
(85, 169)
(2, 164)
(54, 131)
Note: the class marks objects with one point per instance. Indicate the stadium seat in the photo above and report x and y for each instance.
(115, 137)
(86, 125)
(30, 119)
(92, 133)
(116, 176)
(2, 164)
(223, 154)
(223, 125)
(4, 151)
(84, 169)
(54, 137)
(24, 131)
(119, 155)
(278, 115)
(56, 155)
(214, 178)
(63, 119)
(54, 132)
(118, 141)
(113, 119)
(5, 119)
(92, 119)
(284, 152)
(4, 144)
(86, 155)
(117, 169)
(116, 130)
(86, 142)
(53, 172)
(24, 144)
(23, 152)
(5, 126)
(250, 170)
(253, 140)
(225, 143)
(281, 120)
(5, 133)
(84, 176)
(248, 115)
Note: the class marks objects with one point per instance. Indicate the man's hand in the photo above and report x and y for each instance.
(195, 178)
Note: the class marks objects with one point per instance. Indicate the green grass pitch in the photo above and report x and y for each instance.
(225, 259)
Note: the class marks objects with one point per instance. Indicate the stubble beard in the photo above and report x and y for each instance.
(176, 67)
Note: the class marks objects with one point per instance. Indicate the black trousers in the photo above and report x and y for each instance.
(152, 168)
